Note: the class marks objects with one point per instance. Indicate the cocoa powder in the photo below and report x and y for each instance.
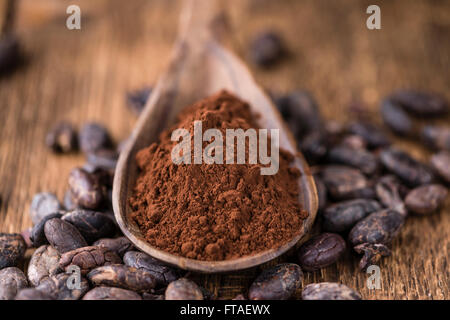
(214, 211)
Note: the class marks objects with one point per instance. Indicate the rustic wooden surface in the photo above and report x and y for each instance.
(83, 75)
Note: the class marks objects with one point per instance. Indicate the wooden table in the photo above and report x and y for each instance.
(84, 74)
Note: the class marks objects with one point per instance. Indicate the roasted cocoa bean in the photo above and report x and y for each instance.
(26, 234)
(91, 224)
(63, 236)
(426, 199)
(344, 215)
(69, 203)
(379, 227)
(10, 54)
(321, 251)
(329, 291)
(12, 249)
(137, 100)
(183, 289)
(38, 237)
(12, 280)
(89, 258)
(93, 137)
(62, 138)
(163, 274)
(396, 119)
(314, 146)
(388, 192)
(104, 158)
(266, 49)
(373, 135)
(343, 182)
(441, 165)
(122, 276)
(353, 142)
(301, 113)
(357, 158)
(372, 254)
(276, 283)
(436, 137)
(110, 293)
(32, 294)
(86, 189)
(42, 205)
(151, 296)
(119, 245)
(44, 263)
(421, 103)
(409, 170)
(58, 287)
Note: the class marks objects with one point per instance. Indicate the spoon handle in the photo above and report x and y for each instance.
(200, 21)
(7, 11)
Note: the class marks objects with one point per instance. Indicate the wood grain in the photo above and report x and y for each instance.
(83, 75)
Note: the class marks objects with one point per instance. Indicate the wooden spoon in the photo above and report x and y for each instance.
(200, 67)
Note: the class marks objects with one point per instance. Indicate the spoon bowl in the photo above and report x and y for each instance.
(201, 66)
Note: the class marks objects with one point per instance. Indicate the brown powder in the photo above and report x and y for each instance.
(214, 211)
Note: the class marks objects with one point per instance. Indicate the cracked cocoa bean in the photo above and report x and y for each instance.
(89, 258)
(426, 199)
(183, 289)
(42, 205)
(122, 276)
(378, 227)
(44, 263)
(344, 215)
(58, 288)
(276, 283)
(38, 237)
(93, 137)
(266, 49)
(372, 254)
(441, 165)
(163, 274)
(396, 119)
(119, 245)
(372, 134)
(91, 224)
(110, 293)
(321, 251)
(63, 236)
(86, 189)
(62, 138)
(329, 291)
(409, 170)
(357, 158)
(12, 280)
(388, 192)
(436, 137)
(421, 103)
(343, 182)
(12, 249)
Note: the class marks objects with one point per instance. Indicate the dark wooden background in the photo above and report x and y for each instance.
(83, 75)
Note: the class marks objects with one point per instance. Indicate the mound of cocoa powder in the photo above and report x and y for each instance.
(214, 211)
